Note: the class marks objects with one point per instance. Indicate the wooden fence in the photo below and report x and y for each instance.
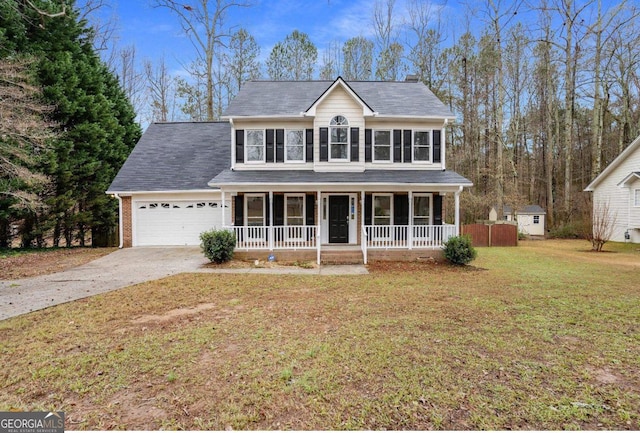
(492, 235)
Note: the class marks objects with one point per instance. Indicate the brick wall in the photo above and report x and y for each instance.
(127, 233)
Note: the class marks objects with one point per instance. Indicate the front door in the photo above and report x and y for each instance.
(339, 219)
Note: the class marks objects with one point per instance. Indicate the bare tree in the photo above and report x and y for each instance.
(242, 59)
(603, 223)
(358, 57)
(161, 90)
(202, 21)
(331, 64)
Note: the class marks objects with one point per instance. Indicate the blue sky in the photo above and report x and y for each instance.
(156, 31)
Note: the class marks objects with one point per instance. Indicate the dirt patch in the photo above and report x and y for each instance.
(45, 262)
(173, 314)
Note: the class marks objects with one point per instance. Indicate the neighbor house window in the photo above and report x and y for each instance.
(536, 219)
(382, 146)
(294, 148)
(422, 146)
(294, 210)
(422, 209)
(255, 210)
(382, 209)
(636, 197)
(339, 139)
(254, 146)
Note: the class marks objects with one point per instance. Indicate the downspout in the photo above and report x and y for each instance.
(120, 225)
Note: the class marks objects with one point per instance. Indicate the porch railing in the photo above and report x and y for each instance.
(397, 236)
(275, 237)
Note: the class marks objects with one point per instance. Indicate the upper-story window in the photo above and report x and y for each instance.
(339, 139)
(422, 146)
(382, 146)
(254, 146)
(294, 148)
(636, 197)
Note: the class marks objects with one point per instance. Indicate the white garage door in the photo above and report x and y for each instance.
(176, 222)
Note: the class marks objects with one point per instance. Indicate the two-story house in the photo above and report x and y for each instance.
(299, 168)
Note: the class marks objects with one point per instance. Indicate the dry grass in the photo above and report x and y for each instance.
(15, 263)
(542, 336)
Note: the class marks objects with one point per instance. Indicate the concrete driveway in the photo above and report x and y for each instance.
(119, 269)
(124, 268)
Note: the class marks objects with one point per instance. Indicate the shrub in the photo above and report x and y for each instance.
(459, 251)
(218, 245)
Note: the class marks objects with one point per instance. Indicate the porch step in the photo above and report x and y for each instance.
(347, 257)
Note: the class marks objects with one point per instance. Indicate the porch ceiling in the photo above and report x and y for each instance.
(391, 180)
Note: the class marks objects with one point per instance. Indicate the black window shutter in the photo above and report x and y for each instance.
(368, 203)
(267, 210)
(239, 145)
(437, 157)
(309, 143)
(407, 146)
(355, 144)
(239, 211)
(367, 145)
(278, 210)
(401, 209)
(397, 145)
(324, 144)
(310, 205)
(279, 145)
(437, 209)
(269, 145)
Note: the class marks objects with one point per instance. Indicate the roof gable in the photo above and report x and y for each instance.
(340, 83)
(635, 145)
(631, 177)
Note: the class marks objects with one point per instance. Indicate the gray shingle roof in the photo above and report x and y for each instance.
(390, 177)
(176, 157)
(528, 209)
(290, 98)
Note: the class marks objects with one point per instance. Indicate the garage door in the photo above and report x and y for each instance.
(176, 222)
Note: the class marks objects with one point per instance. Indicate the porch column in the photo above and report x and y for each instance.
(223, 213)
(270, 220)
(363, 239)
(318, 225)
(410, 234)
(457, 221)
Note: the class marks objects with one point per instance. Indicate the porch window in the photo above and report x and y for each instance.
(255, 211)
(339, 139)
(382, 209)
(421, 209)
(254, 146)
(382, 146)
(422, 146)
(294, 148)
(294, 210)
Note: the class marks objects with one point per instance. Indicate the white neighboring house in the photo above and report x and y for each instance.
(531, 218)
(619, 186)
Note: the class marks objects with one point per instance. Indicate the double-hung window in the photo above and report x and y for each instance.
(536, 219)
(255, 210)
(422, 146)
(294, 210)
(636, 196)
(294, 148)
(421, 209)
(382, 146)
(382, 209)
(254, 145)
(339, 139)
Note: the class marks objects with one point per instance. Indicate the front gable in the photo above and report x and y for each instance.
(344, 92)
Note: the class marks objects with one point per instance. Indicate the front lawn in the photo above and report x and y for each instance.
(542, 336)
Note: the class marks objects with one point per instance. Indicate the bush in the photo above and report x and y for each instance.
(459, 251)
(218, 245)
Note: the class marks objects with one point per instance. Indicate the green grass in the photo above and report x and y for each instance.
(542, 336)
